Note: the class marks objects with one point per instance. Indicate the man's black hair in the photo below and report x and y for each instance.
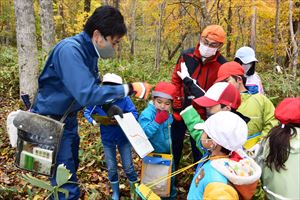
(108, 20)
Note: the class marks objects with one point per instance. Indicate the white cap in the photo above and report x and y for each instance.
(112, 78)
(226, 129)
(246, 55)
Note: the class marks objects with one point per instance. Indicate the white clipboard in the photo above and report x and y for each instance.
(135, 134)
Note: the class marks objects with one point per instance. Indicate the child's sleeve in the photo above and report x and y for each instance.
(191, 118)
(149, 125)
(88, 113)
(130, 107)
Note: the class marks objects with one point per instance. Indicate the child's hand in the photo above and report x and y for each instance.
(161, 116)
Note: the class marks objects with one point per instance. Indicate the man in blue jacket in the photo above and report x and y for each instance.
(71, 75)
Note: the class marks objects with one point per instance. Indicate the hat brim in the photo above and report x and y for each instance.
(205, 102)
(248, 60)
(222, 78)
(161, 94)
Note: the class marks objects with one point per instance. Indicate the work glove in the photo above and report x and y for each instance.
(177, 116)
(161, 116)
(112, 110)
(184, 71)
(139, 89)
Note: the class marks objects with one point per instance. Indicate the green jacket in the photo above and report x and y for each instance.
(261, 112)
(191, 118)
(285, 182)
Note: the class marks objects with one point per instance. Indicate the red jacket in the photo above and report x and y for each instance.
(204, 72)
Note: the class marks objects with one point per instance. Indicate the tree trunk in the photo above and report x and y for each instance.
(229, 31)
(61, 13)
(104, 2)
(47, 25)
(295, 50)
(204, 13)
(253, 28)
(276, 32)
(158, 34)
(27, 47)
(87, 5)
(171, 54)
(116, 4)
(132, 27)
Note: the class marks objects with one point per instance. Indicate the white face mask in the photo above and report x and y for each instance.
(207, 51)
(247, 67)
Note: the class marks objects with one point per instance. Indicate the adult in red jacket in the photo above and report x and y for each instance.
(202, 63)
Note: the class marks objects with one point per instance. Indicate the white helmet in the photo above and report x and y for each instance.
(226, 129)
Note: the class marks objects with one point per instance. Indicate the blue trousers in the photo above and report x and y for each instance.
(68, 155)
(112, 165)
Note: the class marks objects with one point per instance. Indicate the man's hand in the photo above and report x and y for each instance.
(161, 116)
(183, 73)
(112, 110)
(140, 89)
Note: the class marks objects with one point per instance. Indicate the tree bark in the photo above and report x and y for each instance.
(171, 54)
(158, 34)
(295, 50)
(229, 31)
(47, 25)
(27, 46)
(253, 28)
(132, 27)
(277, 18)
(204, 13)
(104, 2)
(116, 4)
(61, 13)
(87, 5)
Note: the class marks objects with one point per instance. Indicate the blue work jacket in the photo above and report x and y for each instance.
(158, 134)
(112, 135)
(71, 73)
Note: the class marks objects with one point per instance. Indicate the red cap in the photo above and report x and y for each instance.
(288, 111)
(228, 69)
(165, 90)
(214, 32)
(220, 93)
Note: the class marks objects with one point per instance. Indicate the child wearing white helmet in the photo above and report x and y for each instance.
(227, 172)
(245, 56)
(112, 136)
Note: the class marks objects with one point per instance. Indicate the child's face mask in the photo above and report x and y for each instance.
(247, 67)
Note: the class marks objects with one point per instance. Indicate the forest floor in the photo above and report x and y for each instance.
(92, 172)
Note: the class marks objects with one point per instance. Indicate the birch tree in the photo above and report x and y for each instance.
(277, 17)
(27, 47)
(47, 25)
(158, 34)
(295, 49)
(253, 28)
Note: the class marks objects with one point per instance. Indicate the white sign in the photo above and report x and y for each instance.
(135, 134)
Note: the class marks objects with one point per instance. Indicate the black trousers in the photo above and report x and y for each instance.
(178, 130)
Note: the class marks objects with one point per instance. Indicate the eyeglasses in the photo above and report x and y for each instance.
(206, 42)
